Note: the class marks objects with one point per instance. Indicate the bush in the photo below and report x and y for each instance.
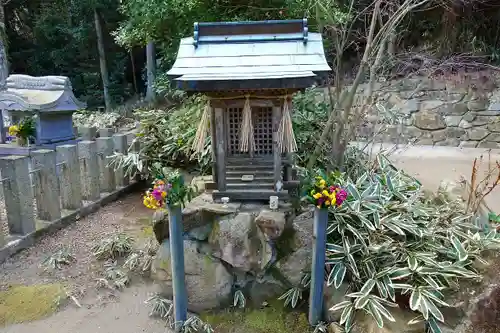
(392, 243)
(167, 135)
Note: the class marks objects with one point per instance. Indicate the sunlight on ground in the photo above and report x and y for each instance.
(28, 303)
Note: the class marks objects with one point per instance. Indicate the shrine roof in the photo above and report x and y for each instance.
(45, 93)
(243, 55)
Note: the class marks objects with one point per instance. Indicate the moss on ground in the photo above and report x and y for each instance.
(28, 303)
(273, 318)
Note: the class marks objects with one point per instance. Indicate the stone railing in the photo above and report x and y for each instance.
(434, 112)
(49, 189)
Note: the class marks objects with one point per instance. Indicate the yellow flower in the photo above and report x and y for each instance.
(333, 199)
(317, 196)
(327, 203)
(319, 206)
(325, 193)
(163, 194)
(13, 130)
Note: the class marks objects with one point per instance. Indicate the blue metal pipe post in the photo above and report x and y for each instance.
(177, 258)
(318, 266)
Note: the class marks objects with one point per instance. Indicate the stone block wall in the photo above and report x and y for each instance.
(434, 112)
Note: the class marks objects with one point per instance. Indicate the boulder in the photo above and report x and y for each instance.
(198, 212)
(265, 289)
(271, 223)
(208, 282)
(237, 241)
(298, 259)
(333, 296)
(364, 323)
(429, 120)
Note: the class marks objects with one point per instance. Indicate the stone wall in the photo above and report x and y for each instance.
(435, 112)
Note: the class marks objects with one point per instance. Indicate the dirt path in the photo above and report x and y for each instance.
(102, 310)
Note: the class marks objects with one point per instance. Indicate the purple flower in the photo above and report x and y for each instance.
(157, 194)
(169, 186)
(340, 196)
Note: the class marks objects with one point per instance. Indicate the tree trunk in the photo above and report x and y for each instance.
(102, 60)
(4, 63)
(151, 71)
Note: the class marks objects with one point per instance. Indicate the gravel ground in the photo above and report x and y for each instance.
(126, 215)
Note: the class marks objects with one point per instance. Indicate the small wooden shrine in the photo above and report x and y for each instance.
(249, 71)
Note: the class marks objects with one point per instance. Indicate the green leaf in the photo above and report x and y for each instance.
(416, 320)
(366, 222)
(361, 302)
(334, 248)
(401, 286)
(376, 219)
(382, 290)
(346, 314)
(383, 311)
(412, 263)
(400, 273)
(373, 311)
(394, 228)
(457, 245)
(390, 289)
(368, 286)
(433, 326)
(340, 306)
(433, 309)
(353, 191)
(415, 300)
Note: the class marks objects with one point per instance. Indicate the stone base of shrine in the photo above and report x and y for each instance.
(246, 195)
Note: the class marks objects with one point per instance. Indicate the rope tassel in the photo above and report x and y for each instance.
(201, 132)
(246, 131)
(286, 137)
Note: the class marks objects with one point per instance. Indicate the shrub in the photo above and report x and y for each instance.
(391, 242)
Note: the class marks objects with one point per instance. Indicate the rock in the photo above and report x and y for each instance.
(429, 120)
(495, 126)
(335, 328)
(488, 144)
(271, 223)
(481, 120)
(364, 323)
(453, 132)
(199, 182)
(464, 124)
(410, 106)
(208, 283)
(453, 109)
(431, 105)
(478, 104)
(239, 242)
(477, 134)
(449, 142)
(200, 233)
(495, 137)
(332, 297)
(494, 107)
(469, 116)
(468, 144)
(298, 261)
(265, 290)
(452, 120)
(197, 213)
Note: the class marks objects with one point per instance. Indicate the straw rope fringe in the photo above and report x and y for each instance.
(201, 132)
(246, 131)
(286, 137)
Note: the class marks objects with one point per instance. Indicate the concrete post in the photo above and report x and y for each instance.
(47, 193)
(69, 177)
(18, 194)
(120, 143)
(106, 132)
(89, 170)
(106, 173)
(88, 133)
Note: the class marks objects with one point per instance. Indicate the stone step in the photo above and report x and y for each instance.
(255, 173)
(249, 195)
(250, 186)
(256, 179)
(249, 167)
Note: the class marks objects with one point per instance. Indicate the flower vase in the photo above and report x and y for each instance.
(318, 265)
(21, 142)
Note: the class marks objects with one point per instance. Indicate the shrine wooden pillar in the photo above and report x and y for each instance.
(220, 147)
(277, 106)
(213, 140)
